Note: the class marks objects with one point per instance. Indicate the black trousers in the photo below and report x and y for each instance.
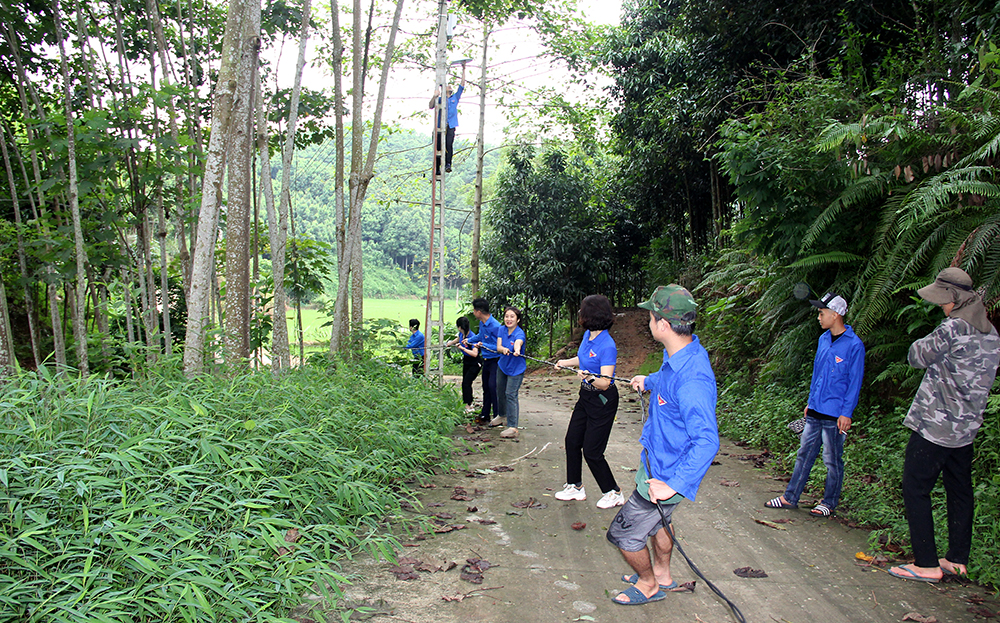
(924, 462)
(489, 388)
(470, 370)
(449, 149)
(587, 437)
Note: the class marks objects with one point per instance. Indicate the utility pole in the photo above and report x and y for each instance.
(434, 318)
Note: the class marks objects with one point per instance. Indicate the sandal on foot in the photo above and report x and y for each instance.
(952, 568)
(779, 503)
(821, 510)
(632, 579)
(908, 574)
(636, 598)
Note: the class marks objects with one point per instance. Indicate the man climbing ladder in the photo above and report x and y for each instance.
(452, 121)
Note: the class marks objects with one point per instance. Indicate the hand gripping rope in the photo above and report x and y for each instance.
(663, 518)
(666, 525)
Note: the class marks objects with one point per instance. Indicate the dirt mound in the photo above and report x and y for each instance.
(631, 334)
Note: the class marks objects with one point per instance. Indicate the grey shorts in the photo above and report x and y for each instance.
(636, 522)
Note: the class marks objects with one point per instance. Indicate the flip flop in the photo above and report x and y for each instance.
(909, 575)
(778, 503)
(636, 598)
(821, 510)
(632, 579)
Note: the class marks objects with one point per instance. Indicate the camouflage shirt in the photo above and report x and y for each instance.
(961, 363)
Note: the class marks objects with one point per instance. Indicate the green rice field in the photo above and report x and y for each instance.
(399, 310)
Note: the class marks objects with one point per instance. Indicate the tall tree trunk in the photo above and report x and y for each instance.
(24, 87)
(477, 208)
(6, 339)
(79, 329)
(237, 320)
(338, 332)
(241, 14)
(29, 299)
(277, 226)
(361, 177)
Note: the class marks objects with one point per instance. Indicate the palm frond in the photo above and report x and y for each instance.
(823, 259)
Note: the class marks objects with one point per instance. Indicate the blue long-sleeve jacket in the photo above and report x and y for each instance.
(681, 436)
(838, 370)
(416, 344)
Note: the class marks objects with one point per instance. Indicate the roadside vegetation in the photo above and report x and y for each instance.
(205, 499)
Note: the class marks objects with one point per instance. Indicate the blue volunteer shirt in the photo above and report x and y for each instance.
(838, 370)
(511, 365)
(487, 336)
(416, 344)
(597, 352)
(681, 436)
(453, 107)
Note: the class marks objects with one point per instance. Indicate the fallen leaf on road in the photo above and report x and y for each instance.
(919, 618)
(729, 483)
(427, 485)
(747, 572)
(406, 560)
(503, 468)
(769, 524)
(472, 509)
(579, 525)
(687, 587)
(531, 503)
(865, 557)
(486, 522)
(444, 515)
(979, 611)
(453, 598)
(427, 567)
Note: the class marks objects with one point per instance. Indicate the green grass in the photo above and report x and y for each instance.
(398, 310)
(212, 499)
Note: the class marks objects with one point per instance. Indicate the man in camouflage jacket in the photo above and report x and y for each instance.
(960, 358)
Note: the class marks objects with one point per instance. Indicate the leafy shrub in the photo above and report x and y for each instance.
(205, 499)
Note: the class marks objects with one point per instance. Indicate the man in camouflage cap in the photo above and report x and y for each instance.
(679, 441)
(960, 358)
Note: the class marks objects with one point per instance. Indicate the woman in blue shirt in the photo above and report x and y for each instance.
(595, 411)
(470, 360)
(510, 370)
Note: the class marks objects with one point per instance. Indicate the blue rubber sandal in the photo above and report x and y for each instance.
(636, 598)
(908, 574)
(632, 579)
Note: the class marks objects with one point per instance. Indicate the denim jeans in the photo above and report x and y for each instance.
(507, 388)
(819, 432)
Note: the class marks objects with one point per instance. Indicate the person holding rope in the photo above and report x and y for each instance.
(416, 346)
(594, 414)
(471, 363)
(510, 370)
(488, 331)
(679, 440)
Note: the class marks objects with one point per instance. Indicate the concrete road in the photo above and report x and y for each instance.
(543, 570)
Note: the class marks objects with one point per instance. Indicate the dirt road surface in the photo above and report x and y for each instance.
(541, 569)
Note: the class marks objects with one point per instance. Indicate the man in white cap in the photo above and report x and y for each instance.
(960, 358)
(838, 370)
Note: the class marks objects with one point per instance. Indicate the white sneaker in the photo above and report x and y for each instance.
(497, 421)
(611, 499)
(571, 492)
(510, 433)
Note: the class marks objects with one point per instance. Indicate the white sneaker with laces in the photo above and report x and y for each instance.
(497, 421)
(611, 499)
(571, 492)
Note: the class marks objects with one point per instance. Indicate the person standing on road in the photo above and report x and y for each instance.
(487, 336)
(471, 363)
(594, 414)
(510, 371)
(679, 440)
(960, 357)
(838, 369)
